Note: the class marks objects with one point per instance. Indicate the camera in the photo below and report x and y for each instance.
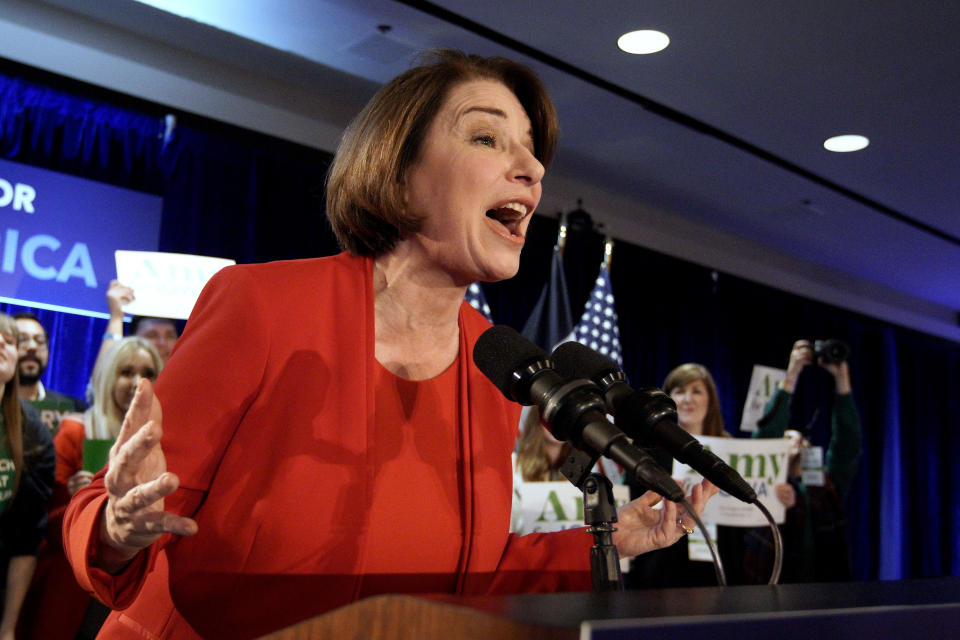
(830, 351)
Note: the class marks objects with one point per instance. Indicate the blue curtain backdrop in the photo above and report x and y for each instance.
(235, 194)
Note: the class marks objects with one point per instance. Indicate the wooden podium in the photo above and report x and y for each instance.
(895, 609)
(399, 617)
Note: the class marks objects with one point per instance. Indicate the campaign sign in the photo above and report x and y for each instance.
(59, 233)
(761, 462)
(166, 285)
(96, 453)
(763, 383)
(555, 506)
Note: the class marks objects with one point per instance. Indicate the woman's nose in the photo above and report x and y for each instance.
(527, 168)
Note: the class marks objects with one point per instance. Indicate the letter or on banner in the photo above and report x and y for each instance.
(763, 382)
(763, 464)
(166, 285)
(59, 233)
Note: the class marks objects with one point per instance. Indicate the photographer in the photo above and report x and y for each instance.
(814, 534)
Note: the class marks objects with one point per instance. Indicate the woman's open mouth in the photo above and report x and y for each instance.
(506, 220)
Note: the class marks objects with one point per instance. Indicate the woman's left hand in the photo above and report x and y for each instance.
(641, 528)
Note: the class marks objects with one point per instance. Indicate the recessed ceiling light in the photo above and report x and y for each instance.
(643, 41)
(846, 143)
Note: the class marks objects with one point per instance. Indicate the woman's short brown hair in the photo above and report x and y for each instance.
(687, 373)
(366, 181)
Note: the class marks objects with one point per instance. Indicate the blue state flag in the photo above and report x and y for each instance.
(551, 320)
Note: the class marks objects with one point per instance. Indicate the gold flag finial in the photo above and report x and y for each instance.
(562, 233)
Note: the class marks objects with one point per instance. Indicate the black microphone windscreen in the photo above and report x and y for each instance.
(500, 351)
(575, 360)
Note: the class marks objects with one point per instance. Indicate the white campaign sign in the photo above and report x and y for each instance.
(166, 285)
(762, 462)
(763, 382)
(554, 506)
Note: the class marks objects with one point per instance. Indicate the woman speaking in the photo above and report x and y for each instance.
(324, 433)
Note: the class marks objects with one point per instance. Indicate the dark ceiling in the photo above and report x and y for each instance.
(719, 135)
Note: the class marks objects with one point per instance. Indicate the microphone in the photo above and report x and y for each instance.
(572, 409)
(649, 416)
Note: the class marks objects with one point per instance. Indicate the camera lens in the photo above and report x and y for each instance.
(831, 351)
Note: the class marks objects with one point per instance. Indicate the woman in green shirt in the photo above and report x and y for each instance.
(27, 464)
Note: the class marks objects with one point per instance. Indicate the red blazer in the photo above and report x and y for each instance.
(266, 406)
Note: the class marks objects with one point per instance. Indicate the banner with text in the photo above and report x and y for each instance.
(59, 234)
(555, 506)
(166, 285)
(763, 383)
(762, 462)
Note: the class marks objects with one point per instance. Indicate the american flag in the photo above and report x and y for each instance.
(476, 300)
(598, 325)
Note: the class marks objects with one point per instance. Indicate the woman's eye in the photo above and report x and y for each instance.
(486, 140)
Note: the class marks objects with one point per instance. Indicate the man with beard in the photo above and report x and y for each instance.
(33, 348)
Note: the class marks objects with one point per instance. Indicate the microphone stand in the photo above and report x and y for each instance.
(599, 513)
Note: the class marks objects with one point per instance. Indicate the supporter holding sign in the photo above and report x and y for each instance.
(169, 284)
(688, 563)
(815, 532)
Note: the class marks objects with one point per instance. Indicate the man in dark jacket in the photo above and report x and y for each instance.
(33, 347)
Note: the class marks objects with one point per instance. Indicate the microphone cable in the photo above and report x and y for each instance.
(777, 543)
(717, 562)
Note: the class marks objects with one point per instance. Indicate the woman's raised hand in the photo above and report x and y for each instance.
(118, 295)
(137, 482)
(642, 528)
(800, 356)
